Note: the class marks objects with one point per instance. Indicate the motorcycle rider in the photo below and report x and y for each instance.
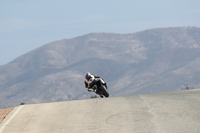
(90, 82)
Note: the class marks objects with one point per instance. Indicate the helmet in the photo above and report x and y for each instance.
(88, 73)
(89, 77)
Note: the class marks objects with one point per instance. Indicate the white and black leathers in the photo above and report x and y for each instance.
(91, 80)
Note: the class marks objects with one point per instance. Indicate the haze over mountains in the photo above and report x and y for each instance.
(155, 60)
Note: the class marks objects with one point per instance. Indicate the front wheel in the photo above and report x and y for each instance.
(104, 90)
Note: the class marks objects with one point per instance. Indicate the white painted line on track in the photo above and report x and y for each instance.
(8, 121)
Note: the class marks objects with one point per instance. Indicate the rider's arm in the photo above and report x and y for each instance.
(92, 83)
(86, 84)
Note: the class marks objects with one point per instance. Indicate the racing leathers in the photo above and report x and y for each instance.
(91, 86)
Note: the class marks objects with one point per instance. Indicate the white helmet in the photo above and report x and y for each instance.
(89, 77)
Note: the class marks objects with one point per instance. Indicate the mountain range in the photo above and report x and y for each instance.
(150, 61)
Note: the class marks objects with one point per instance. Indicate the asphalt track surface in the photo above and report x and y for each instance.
(172, 112)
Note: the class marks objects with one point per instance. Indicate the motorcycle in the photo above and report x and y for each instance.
(100, 88)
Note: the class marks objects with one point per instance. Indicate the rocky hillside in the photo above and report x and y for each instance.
(155, 60)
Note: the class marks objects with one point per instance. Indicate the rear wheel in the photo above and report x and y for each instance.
(104, 90)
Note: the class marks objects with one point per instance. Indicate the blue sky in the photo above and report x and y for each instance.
(29, 24)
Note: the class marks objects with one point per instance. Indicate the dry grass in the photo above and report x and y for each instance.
(4, 112)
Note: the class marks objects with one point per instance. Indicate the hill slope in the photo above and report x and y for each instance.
(155, 60)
